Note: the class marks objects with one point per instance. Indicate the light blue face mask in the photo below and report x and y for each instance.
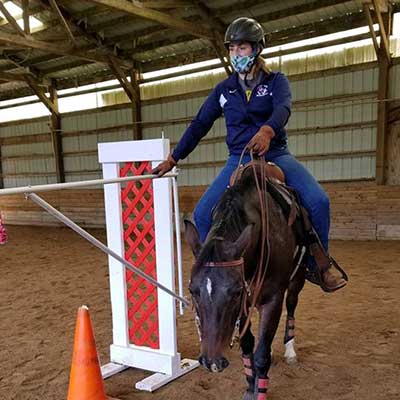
(242, 64)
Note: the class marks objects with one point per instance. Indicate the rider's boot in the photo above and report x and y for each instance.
(330, 276)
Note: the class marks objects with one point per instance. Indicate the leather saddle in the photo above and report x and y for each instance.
(297, 217)
(272, 171)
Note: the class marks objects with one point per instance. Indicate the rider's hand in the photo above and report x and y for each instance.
(164, 167)
(261, 140)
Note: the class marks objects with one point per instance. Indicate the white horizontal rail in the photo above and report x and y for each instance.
(78, 184)
(61, 217)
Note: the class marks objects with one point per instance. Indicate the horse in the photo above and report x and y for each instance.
(245, 262)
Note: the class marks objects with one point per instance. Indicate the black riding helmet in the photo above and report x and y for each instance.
(245, 29)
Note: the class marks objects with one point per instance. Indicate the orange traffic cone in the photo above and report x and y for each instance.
(85, 380)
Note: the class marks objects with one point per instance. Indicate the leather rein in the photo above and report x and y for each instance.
(257, 279)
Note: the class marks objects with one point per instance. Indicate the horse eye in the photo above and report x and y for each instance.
(194, 291)
(235, 292)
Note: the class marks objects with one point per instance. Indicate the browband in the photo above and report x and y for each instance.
(233, 263)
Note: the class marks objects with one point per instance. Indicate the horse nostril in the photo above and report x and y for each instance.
(204, 362)
(224, 363)
(214, 367)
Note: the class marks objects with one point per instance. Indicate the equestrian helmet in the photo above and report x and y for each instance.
(245, 29)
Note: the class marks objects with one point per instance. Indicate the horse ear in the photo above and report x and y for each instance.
(244, 240)
(192, 237)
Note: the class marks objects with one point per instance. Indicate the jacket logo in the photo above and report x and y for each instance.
(222, 100)
(232, 91)
(262, 90)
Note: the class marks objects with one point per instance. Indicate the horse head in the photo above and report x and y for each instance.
(217, 285)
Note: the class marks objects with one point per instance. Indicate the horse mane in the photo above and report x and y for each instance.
(228, 221)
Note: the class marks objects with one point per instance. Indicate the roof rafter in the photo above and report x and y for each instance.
(60, 16)
(11, 20)
(138, 9)
(25, 16)
(29, 43)
(10, 77)
(209, 19)
(269, 17)
(167, 4)
(300, 9)
(274, 39)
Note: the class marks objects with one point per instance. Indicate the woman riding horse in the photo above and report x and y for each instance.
(246, 261)
(256, 103)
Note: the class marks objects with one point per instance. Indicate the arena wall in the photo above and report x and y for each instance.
(360, 210)
(332, 131)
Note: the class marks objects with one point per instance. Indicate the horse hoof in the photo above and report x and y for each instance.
(248, 395)
(291, 360)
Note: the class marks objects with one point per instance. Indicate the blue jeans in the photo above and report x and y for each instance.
(312, 196)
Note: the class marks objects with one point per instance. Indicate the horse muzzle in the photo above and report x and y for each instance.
(217, 364)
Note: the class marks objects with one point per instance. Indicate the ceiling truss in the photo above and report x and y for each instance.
(73, 39)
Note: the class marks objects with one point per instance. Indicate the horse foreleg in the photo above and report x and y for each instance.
(292, 298)
(270, 313)
(247, 346)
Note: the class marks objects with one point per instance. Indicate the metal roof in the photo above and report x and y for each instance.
(78, 38)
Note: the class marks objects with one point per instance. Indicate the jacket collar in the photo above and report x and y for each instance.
(232, 81)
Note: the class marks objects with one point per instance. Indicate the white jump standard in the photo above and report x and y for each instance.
(144, 327)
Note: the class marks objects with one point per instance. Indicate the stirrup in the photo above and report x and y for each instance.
(316, 278)
(334, 264)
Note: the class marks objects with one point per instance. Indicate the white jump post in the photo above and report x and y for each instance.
(140, 229)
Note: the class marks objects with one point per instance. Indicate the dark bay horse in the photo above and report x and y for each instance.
(223, 281)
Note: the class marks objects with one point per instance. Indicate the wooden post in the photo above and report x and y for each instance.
(56, 136)
(1, 170)
(25, 11)
(136, 106)
(383, 107)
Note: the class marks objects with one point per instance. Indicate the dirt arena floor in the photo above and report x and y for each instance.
(348, 343)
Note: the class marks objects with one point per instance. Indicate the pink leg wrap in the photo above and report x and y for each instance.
(262, 388)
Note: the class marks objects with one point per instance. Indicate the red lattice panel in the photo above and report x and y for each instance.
(140, 249)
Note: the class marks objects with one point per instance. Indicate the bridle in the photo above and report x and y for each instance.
(239, 263)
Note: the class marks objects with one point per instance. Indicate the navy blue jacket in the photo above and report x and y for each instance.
(269, 104)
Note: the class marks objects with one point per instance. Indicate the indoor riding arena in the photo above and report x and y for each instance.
(103, 89)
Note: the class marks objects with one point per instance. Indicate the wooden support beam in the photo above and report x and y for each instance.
(11, 77)
(1, 171)
(217, 44)
(94, 37)
(384, 32)
(137, 9)
(310, 6)
(85, 54)
(25, 16)
(368, 15)
(383, 109)
(126, 85)
(221, 56)
(41, 94)
(56, 139)
(11, 19)
(136, 106)
(167, 4)
(56, 9)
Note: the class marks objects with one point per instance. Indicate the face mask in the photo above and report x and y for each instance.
(242, 64)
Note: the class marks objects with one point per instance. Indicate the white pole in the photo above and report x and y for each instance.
(178, 242)
(71, 185)
(61, 217)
